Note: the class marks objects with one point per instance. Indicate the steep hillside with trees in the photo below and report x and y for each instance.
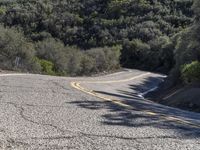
(187, 50)
(184, 78)
(90, 35)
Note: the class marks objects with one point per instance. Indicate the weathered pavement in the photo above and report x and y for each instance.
(43, 112)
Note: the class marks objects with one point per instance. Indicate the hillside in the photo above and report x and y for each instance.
(141, 30)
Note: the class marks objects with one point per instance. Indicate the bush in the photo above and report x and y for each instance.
(54, 51)
(73, 61)
(191, 72)
(87, 65)
(15, 51)
(47, 66)
(112, 57)
(99, 59)
(105, 59)
(52, 57)
(92, 61)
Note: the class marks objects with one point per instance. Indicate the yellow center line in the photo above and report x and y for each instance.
(77, 85)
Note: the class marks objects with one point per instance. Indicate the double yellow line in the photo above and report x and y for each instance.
(77, 85)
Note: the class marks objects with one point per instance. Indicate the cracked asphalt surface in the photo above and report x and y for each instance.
(43, 112)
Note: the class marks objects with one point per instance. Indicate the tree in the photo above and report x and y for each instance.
(134, 52)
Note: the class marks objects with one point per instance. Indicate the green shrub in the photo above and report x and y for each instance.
(47, 66)
(2, 10)
(191, 72)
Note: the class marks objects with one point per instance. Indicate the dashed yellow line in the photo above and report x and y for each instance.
(77, 85)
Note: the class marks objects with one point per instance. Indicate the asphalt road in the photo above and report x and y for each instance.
(108, 113)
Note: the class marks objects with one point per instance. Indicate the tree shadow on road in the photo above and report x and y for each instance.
(118, 116)
(136, 117)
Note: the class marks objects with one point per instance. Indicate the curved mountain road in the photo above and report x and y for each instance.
(107, 112)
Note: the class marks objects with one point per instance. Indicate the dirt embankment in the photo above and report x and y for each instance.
(184, 97)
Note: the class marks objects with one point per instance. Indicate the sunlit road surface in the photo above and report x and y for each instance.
(107, 112)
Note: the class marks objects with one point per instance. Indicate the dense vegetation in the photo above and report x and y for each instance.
(187, 51)
(77, 37)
